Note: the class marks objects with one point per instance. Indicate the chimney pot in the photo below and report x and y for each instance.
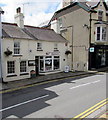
(18, 10)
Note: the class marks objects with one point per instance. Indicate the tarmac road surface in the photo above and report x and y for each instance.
(62, 99)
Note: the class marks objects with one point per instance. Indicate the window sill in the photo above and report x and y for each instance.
(24, 74)
(14, 75)
(40, 50)
(17, 55)
(56, 50)
(100, 41)
(50, 71)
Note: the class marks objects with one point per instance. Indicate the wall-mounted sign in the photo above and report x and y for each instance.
(53, 53)
(91, 49)
(31, 63)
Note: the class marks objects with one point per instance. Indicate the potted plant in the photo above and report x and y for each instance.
(8, 52)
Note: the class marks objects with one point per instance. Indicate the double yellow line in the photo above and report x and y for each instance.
(41, 83)
(91, 110)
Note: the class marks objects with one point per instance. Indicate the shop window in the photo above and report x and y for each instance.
(101, 34)
(11, 67)
(16, 48)
(39, 46)
(48, 63)
(100, 15)
(23, 66)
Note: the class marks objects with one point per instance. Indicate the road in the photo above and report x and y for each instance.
(60, 99)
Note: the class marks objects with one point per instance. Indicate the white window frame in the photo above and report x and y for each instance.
(23, 66)
(60, 22)
(17, 48)
(101, 34)
(10, 68)
(51, 58)
(39, 46)
(100, 16)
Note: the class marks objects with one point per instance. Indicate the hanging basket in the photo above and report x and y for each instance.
(68, 52)
(8, 52)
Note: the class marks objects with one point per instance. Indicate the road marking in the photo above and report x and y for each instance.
(85, 84)
(23, 103)
(91, 109)
(36, 84)
(106, 102)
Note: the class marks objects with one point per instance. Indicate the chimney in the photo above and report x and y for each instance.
(19, 18)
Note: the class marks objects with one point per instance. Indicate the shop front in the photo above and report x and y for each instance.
(48, 63)
(99, 57)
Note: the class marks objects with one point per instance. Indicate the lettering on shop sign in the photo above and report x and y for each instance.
(53, 53)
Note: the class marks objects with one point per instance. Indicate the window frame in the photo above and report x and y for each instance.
(51, 59)
(60, 22)
(101, 34)
(39, 46)
(24, 67)
(10, 68)
(100, 15)
(17, 48)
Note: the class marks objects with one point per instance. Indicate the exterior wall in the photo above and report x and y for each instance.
(77, 34)
(28, 52)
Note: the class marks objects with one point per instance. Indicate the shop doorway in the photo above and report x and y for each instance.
(98, 58)
(37, 65)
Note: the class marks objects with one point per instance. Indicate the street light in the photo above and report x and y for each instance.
(1, 12)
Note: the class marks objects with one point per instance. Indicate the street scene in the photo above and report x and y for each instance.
(54, 59)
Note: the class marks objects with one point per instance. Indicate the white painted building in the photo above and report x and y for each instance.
(31, 50)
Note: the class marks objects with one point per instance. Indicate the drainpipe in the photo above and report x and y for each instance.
(89, 61)
(1, 75)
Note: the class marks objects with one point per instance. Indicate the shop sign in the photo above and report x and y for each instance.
(53, 53)
(92, 49)
(31, 63)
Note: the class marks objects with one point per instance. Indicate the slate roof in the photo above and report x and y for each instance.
(87, 6)
(13, 31)
(30, 32)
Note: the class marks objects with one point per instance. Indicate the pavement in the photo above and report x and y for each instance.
(49, 77)
(42, 78)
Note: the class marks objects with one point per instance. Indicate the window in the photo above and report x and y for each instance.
(16, 48)
(49, 63)
(100, 15)
(11, 67)
(60, 23)
(101, 33)
(104, 33)
(23, 66)
(55, 47)
(39, 46)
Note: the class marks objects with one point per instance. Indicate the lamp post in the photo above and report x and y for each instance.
(1, 12)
